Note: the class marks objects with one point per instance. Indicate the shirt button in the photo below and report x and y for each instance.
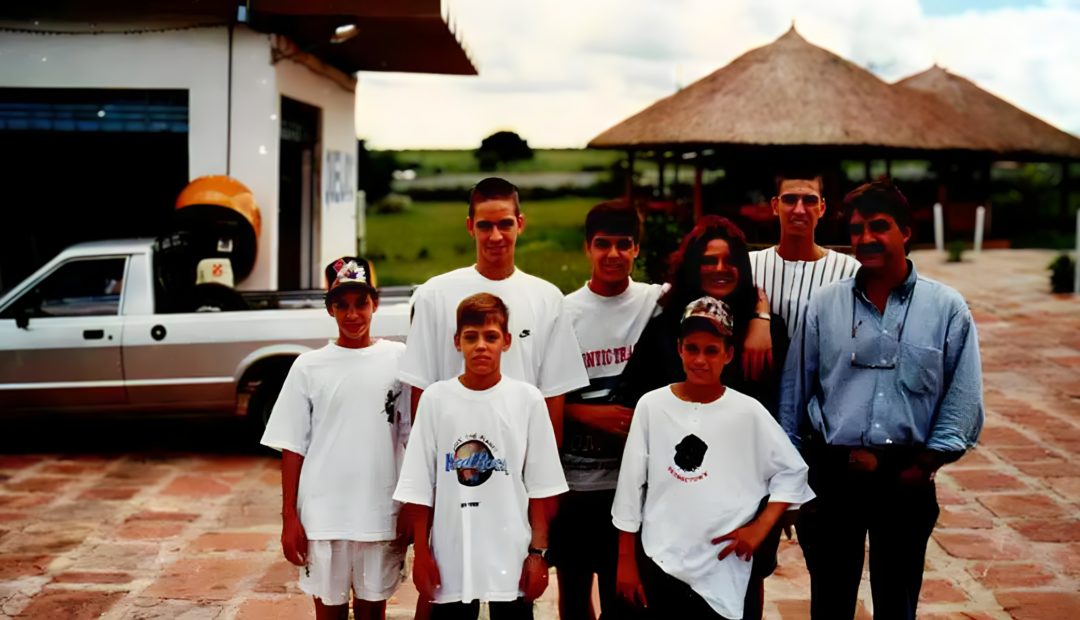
(881, 394)
(885, 331)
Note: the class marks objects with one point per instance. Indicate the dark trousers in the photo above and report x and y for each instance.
(669, 597)
(832, 532)
(499, 610)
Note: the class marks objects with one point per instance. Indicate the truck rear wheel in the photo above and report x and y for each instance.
(262, 404)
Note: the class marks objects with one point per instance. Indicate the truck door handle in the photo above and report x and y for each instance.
(93, 334)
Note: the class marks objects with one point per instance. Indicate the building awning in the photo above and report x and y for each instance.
(413, 36)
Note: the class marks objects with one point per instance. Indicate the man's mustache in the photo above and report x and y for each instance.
(875, 247)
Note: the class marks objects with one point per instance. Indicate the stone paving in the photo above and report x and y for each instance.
(149, 535)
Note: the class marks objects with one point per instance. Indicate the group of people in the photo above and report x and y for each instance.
(659, 437)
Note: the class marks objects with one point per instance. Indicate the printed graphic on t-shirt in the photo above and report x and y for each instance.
(689, 454)
(615, 356)
(390, 404)
(474, 461)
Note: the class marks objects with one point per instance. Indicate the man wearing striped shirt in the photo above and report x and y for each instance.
(789, 272)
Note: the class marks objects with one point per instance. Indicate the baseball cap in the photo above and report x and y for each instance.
(350, 271)
(712, 310)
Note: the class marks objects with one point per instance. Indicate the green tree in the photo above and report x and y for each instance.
(502, 147)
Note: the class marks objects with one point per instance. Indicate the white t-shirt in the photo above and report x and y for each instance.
(707, 467)
(482, 455)
(607, 329)
(346, 413)
(543, 351)
(789, 283)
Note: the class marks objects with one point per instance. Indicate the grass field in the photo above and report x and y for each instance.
(545, 160)
(430, 238)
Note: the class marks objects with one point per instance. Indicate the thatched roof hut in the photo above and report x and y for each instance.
(1012, 131)
(794, 94)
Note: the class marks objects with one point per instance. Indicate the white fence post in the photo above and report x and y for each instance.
(939, 227)
(980, 221)
(1076, 272)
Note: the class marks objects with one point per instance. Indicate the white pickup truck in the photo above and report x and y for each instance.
(83, 334)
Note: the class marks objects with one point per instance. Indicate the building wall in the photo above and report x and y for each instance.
(337, 157)
(197, 60)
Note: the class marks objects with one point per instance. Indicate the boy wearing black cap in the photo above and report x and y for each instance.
(339, 428)
(720, 471)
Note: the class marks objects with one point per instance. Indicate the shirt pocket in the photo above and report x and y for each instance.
(920, 368)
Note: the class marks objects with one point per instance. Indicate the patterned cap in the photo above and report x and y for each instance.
(350, 271)
(712, 310)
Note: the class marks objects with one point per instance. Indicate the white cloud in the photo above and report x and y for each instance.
(561, 71)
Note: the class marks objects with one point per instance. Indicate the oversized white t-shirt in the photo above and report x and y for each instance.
(789, 283)
(543, 351)
(607, 329)
(346, 413)
(707, 467)
(479, 456)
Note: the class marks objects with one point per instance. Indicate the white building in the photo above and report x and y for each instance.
(108, 108)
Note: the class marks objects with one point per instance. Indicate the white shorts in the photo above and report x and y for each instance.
(373, 569)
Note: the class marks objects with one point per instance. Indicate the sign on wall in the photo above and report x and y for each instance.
(339, 184)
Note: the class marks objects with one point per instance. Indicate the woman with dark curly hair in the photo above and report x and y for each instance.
(713, 260)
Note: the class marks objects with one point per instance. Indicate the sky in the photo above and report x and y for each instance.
(560, 72)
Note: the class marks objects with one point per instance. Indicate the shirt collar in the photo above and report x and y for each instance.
(903, 290)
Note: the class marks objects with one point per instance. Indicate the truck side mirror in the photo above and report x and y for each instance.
(22, 318)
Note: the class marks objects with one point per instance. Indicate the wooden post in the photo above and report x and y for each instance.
(866, 171)
(888, 168)
(629, 177)
(697, 191)
(660, 175)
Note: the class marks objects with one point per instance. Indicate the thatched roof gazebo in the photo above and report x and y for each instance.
(794, 94)
(1014, 133)
(793, 101)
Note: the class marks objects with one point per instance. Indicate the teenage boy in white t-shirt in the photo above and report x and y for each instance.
(608, 315)
(338, 422)
(719, 471)
(544, 353)
(480, 473)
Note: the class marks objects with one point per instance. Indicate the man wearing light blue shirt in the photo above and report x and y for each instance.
(882, 387)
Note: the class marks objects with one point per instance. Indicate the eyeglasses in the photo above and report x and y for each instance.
(808, 200)
(504, 226)
(866, 350)
(622, 244)
(876, 226)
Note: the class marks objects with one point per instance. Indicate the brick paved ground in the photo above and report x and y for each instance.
(194, 536)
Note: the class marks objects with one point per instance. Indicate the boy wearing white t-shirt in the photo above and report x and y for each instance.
(480, 473)
(608, 314)
(545, 352)
(339, 426)
(719, 471)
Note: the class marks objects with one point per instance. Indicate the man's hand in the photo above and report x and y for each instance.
(915, 476)
(534, 577)
(787, 521)
(757, 356)
(628, 582)
(294, 542)
(743, 541)
(425, 573)
(862, 460)
(611, 419)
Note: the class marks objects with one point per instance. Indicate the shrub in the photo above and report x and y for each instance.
(393, 203)
(1062, 274)
(955, 249)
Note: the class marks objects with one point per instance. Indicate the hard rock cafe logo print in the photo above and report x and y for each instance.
(473, 460)
(689, 455)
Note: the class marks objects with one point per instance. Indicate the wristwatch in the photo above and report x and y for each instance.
(543, 553)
